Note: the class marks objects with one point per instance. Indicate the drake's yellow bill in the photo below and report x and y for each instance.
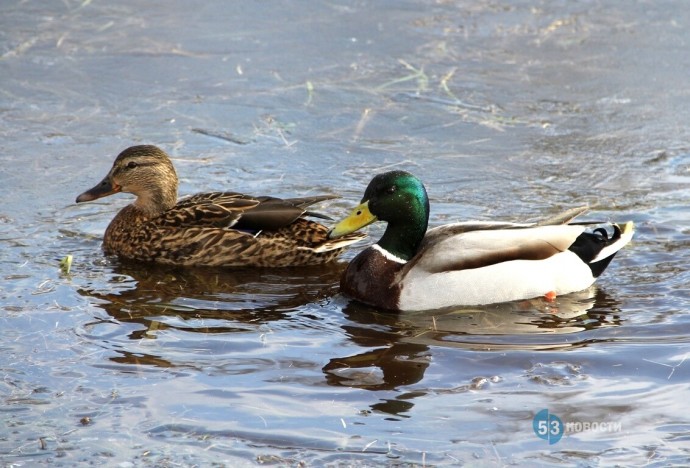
(357, 219)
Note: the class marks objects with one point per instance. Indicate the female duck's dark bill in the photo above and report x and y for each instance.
(358, 218)
(103, 189)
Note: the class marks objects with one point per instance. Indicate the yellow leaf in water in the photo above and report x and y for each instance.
(66, 264)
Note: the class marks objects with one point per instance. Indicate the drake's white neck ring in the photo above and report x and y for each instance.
(387, 255)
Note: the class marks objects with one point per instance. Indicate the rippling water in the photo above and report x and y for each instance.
(508, 110)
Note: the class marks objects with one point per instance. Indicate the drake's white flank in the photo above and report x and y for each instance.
(561, 273)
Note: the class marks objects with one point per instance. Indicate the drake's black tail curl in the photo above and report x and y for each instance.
(591, 242)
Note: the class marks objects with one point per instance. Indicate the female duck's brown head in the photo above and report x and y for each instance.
(145, 171)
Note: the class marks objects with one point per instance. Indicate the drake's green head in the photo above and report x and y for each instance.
(400, 199)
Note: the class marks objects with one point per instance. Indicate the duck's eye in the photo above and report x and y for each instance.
(391, 189)
(132, 165)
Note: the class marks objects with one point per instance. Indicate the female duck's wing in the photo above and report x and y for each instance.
(274, 213)
(222, 229)
(238, 211)
(214, 209)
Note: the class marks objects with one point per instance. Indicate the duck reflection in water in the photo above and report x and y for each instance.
(203, 300)
(401, 345)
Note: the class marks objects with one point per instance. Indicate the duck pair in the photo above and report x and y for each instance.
(410, 268)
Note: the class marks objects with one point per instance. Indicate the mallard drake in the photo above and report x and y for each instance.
(211, 229)
(462, 264)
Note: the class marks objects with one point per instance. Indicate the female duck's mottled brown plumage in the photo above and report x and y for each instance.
(212, 229)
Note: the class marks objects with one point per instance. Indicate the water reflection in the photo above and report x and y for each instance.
(401, 345)
(202, 303)
(534, 324)
(384, 352)
(391, 363)
(243, 295)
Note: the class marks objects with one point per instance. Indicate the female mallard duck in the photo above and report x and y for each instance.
(467, 263)
(211, 229)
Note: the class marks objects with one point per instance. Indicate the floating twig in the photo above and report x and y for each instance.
(225, 136)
